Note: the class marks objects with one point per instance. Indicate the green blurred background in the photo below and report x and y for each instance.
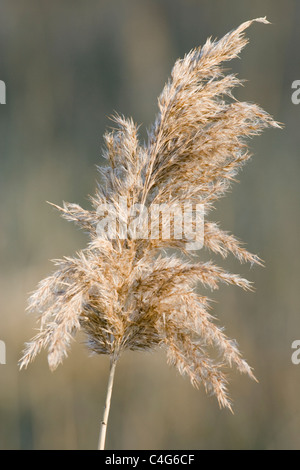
(68, 66)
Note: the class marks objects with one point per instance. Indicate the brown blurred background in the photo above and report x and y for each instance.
(67, 66)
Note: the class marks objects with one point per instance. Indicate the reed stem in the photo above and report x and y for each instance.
(103, 426)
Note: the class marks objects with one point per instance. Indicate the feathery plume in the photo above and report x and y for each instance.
(126, 291)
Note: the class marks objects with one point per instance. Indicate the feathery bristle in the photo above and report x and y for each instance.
(125, 291)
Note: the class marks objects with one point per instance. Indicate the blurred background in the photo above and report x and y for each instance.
(67, 67)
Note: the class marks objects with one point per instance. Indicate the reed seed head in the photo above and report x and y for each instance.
(129, 292)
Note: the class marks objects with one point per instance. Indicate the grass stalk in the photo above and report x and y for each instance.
(103, 426)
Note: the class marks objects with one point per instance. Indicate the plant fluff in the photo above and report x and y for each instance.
(133, 292)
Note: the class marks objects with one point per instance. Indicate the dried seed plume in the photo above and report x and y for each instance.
(130, 292)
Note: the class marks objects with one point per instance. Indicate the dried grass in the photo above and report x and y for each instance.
(129, 293)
